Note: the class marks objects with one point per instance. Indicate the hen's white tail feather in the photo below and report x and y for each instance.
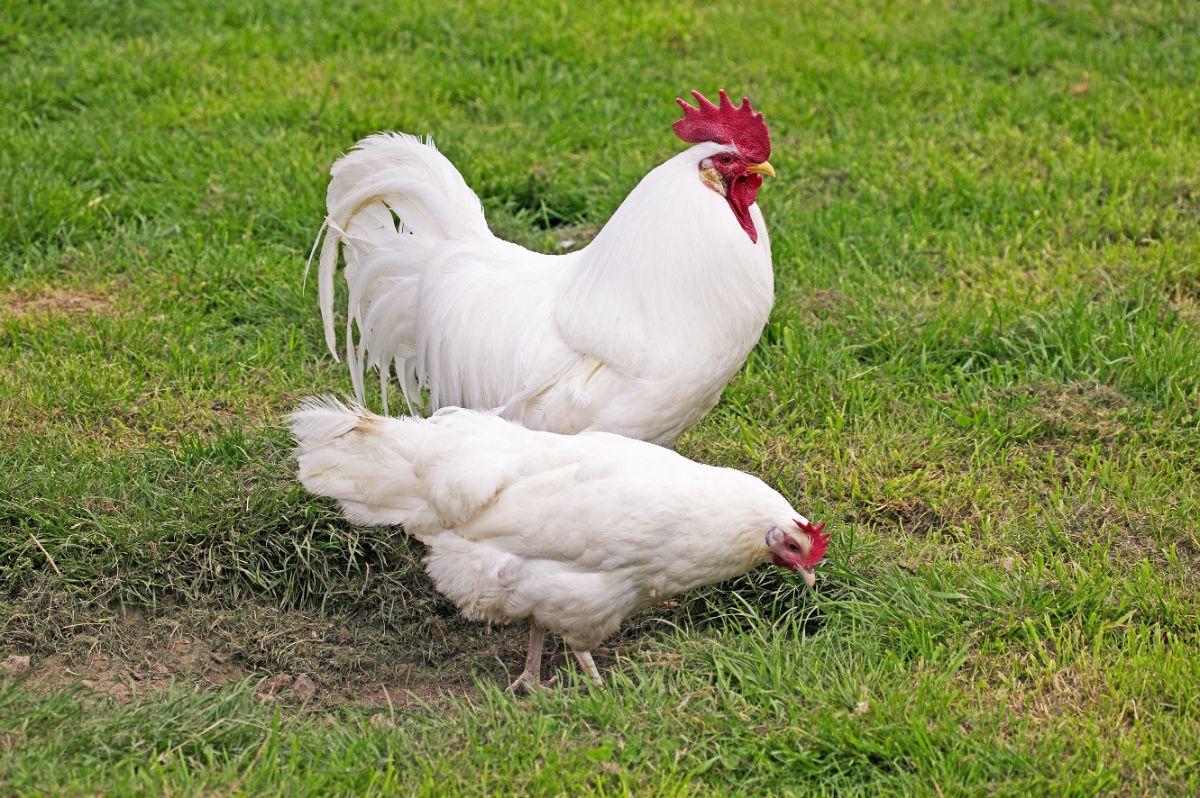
(363, 460)
(421, 473)
(391, 201)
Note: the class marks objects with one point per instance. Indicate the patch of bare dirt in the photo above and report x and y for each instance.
(301, 660)
(1029, 691)
(912, 515)
(1077, 412)
(1185, 197)
(1183, 293)
(1069, 421)
(51, 302)
(823, 306)
(126, 655)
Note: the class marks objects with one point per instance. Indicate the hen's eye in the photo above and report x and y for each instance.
(726, 159)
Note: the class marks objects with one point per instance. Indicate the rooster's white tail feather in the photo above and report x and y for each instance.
(391, 201)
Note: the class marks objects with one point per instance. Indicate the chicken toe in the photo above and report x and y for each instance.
(531, 678)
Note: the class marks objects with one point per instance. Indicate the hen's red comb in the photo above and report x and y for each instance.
(820, 541)
(725, 124)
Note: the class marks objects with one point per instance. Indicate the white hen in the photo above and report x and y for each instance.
(637, 333)
(572, 533)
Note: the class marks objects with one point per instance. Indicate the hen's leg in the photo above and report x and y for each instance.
(531, 678)
(589, 667)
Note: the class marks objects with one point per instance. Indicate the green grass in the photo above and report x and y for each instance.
(983, 370)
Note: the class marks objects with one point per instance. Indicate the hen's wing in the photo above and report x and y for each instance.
(544, 495)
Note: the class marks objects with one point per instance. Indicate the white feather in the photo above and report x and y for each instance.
(574, 532)
(637, 333)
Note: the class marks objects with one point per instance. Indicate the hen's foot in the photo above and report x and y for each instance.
(588, 665)
(530, 679)
(527, 684)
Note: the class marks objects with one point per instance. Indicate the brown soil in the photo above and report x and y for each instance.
(53, 302)
(300, 660)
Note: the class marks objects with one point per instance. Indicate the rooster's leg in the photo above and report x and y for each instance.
(589, 667)
(531, 678)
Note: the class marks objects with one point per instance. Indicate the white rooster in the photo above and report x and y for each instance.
(637, 333)
(570, 532)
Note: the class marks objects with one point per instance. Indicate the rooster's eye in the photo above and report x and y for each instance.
(726, 159)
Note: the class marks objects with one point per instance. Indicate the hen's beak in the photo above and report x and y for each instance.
(763, 168)
(810, 576)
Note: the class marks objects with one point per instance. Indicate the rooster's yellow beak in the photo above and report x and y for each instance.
(763, 168)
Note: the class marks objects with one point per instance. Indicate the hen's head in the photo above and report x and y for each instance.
(736, 171)
(799, 550)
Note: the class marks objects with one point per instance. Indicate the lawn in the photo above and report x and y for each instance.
(983, 371)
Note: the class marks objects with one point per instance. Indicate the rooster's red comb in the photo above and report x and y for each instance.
(727, 123)
(820, 541)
